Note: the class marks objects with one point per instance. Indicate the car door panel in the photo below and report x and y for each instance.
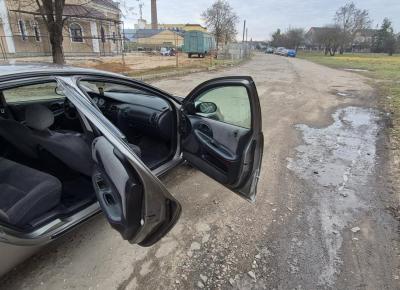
(135, 202)
(217, 143)
(221, 147)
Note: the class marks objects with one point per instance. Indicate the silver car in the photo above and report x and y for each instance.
(281, 51)
(75, 142)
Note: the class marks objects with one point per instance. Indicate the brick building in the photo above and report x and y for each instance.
(91, 28)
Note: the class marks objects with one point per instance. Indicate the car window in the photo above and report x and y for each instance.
(44, 91)
(99, 87)
(232, 105)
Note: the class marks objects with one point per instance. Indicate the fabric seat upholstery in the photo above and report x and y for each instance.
(19, 136)
(26, 193)
(69, 147)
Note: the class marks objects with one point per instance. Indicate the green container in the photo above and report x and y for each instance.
(198, 43)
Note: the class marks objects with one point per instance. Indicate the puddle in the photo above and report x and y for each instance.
(356, 70)
(343, 94)
(337, 161)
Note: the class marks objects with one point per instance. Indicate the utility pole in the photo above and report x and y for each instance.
(247, 47)
(176, 50)
(244, 29)
(154, 21)
(241, 46)
(141, 4)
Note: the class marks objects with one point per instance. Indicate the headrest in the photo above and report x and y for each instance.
(38, 117)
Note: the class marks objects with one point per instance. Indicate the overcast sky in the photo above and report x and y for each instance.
(265, 16)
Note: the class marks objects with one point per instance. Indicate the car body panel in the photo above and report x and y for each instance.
(160, 210)
(281, 51)
(291, 53)
(270, 50)
(15, 245)
(25, 244)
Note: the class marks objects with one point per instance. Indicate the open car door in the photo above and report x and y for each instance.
(221, 132)
(134, 201)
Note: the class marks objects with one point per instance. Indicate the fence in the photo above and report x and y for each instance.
(137, 56)
(18, 46)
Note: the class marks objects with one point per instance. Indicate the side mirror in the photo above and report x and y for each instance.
(206, 108)
(58, 91)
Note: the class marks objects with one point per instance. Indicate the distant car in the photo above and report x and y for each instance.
(270, 50)
(291, 53)
(281, 51)
(164, 51)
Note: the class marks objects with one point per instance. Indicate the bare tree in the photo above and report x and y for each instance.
(277, 38)
(351, 20)
(294, 37)
(52, 15)
(221, 20)
(329, 37)
(51, 12)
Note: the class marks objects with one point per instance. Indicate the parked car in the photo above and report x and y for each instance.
(291, 53)
(269, 50)
(165, 51)
(75, 142)
(281, 51)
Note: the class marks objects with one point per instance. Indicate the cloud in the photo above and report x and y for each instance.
(265, 16)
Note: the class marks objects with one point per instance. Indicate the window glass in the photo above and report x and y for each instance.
(232, 105)
(100, 88)
(22, 29)
(37, 33)
(32, 92)
(102, 34)
(76, 32)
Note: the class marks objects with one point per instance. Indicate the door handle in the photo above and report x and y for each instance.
(205, 129)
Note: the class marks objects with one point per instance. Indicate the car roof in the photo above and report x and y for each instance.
(10, 72)
(18, 70)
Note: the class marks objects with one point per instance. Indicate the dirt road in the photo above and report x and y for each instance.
(322, 219)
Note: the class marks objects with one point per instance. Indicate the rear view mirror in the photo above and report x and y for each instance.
(206, 108)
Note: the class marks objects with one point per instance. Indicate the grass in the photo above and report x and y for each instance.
(384, 72)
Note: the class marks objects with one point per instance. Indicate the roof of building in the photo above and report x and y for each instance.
(82, 11)
(319, 29)
(107, 3)
(145, 33)
(364, 32)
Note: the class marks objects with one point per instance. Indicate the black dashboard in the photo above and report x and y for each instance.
(137, 113)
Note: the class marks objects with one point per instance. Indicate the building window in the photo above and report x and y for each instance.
(76, 32)
(36, 31)
(114, 37)
(102, 34)
(22, 29)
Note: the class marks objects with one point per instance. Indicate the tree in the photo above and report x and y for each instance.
(385, 39)
(329, 37)
(278, 39)
(52, 15)
(351, 20)
(294, 38)
(221, 20)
